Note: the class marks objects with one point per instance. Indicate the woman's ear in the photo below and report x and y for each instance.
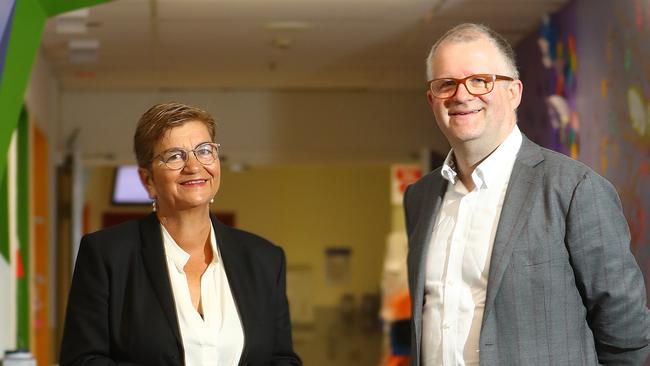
(146, 179)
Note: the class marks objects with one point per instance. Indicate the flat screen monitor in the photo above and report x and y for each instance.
(127, 188)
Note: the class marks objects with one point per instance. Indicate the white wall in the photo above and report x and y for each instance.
(260, 127)
(42, 99)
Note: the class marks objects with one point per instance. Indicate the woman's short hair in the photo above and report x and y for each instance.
(161, 118)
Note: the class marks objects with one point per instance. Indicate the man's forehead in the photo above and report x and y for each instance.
(472, 51)
(478, 41)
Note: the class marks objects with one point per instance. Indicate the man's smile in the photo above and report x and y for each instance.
(463, 112)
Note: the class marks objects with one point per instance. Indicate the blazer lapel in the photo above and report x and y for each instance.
(153, 255)
(513, 216)
(424, 227)
(418, 247)
(232, 256)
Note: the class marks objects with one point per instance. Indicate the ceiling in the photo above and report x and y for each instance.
(263, 44)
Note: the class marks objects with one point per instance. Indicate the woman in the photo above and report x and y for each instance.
(177, 287)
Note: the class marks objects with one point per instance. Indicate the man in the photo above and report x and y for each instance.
(517, 255)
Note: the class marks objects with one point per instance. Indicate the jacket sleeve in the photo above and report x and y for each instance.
(607, 275)
(283, 354)
(86, 331)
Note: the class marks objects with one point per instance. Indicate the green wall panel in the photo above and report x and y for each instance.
(22, 220)
(24, 40)
(54, 7)
(28, 22)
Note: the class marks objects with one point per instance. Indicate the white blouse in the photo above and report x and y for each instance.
(217, 338)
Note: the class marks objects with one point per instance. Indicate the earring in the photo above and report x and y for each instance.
(154, 205)
(212, 200)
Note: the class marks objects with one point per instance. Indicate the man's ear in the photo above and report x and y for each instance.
(430, 98)
(515, 91)
(147, 181)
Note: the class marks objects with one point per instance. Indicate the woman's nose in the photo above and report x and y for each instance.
(192, 164)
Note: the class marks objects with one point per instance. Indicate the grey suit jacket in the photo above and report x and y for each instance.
(563, 286)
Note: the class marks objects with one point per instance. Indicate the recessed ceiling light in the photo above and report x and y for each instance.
(282, 43)
(71, 25)
(83, 56)
(82, 51)
(83, 44)
(81, 13)
(292, 26)
(73, 22)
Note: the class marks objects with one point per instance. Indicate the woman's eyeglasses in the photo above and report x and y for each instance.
(176, 158)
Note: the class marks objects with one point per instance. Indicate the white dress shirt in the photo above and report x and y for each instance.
(458, 258)
(217, 338)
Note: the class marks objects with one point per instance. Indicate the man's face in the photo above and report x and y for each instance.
(477, 122)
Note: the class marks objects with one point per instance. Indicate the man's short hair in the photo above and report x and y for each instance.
(468, 32)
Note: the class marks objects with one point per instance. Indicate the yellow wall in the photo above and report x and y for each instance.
(304, 209)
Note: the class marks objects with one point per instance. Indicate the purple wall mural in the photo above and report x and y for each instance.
(6, 16)
(548, 63)
(615, 99)
(586, 76)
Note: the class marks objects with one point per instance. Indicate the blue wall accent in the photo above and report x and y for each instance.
(6, 18)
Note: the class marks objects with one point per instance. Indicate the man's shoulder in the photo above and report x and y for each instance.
(433, 177)
(559, 163)
(566, 170)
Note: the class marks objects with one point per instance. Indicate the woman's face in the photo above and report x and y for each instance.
(190, 187)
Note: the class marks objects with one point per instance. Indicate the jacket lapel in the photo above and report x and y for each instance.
(232, 255)
(424, 227)
(419, 244)
(513, 216)
(153, 255)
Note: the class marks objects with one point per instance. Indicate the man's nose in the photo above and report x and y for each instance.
(462, 93)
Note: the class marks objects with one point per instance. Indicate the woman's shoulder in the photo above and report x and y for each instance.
(114, 238)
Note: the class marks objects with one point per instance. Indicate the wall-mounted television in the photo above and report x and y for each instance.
(127, 189)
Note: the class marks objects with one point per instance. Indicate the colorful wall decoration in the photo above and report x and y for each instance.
(615, 99)
(21, 24)
(599, 78)
(548, 63)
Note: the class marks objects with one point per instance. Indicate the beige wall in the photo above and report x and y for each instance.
(266, 127)
(304, 209)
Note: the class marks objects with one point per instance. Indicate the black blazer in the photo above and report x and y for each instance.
(121, 309)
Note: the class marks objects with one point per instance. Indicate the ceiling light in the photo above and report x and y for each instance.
(292, 26)
(83, 44)
(81, 13)
(281, 43)
(71, 26)
(73, 22)
(83, 56)
(82, 51)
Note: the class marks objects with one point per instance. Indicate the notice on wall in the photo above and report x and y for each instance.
(337, 265)
(401, 176)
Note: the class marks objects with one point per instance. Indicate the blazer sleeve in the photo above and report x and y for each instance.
(86, 331)
(607, 275)
(283, 354)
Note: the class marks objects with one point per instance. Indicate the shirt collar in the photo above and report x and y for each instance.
(178, 256)
(449, 168)
(493, 167)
